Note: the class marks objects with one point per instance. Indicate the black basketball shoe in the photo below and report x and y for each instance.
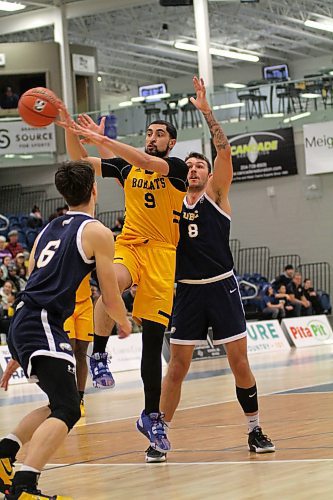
(259, 442)
(154, 456)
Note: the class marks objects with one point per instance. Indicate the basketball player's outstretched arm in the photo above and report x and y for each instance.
(132, 155)
(222, 175)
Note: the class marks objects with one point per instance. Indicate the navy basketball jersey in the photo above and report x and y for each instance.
(60, 265)
(203, 250)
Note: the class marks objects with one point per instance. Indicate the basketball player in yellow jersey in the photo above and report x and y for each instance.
(80, 330)
(145, 255)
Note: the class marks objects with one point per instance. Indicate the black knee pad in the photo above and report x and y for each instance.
(66, 409)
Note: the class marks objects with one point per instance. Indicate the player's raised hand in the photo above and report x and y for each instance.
(11, 367)
(87, 122)
(89, 137)
(65, 119)
(200, 101)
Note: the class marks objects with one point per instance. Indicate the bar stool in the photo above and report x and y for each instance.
(190, 116)
(171, 113)
(152, 114)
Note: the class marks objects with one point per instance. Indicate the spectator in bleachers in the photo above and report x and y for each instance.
(285, 278)
(8, 100)
(2, 279)
(13, 276)
(7, 295)
(35, 219)
(14, 246)
(118, 226)
(6, 262)
(20, 264)
(59, 211)
(301, 304)
(273, 307)
(3, 248)
(312, 296)
(95, 293)
(282, 295)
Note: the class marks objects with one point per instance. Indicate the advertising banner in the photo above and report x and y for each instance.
(125, 353)
(308, 330)
(261, 155)
(266, 336)
(18, 377)
(18, 138)
(318, 144)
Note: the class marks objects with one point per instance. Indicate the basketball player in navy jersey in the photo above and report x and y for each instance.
(207, 290)
(65, 252)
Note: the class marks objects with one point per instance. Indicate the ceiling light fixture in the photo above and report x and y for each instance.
(232, 85)
(310, 95)
(273, 115)
(324, 25)
(297, 117)
(124, 104)
(11, 6)
(137, 99)
(153, 97)
(231, 54)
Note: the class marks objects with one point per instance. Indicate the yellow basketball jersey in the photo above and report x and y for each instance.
(84, 290)
(153, 208)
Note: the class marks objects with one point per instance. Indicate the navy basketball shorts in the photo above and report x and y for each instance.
(37, 332)
(197, 307)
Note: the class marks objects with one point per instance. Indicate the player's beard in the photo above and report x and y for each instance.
(159, 154)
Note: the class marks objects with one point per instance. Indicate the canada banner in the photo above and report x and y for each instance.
(261, 155)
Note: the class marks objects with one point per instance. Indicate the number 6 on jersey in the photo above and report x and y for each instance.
(47, 253)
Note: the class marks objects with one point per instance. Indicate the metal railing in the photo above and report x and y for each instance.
(319, 273)
(277, 263)
(253, 260)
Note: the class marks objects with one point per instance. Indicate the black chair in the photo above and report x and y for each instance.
(314, 86)
(170, 114)
(152, 114)
(190, 116)
(289, 98)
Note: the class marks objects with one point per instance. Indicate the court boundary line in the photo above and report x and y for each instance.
(143, 464)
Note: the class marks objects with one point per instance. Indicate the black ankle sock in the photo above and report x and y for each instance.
(9, 448)
(99, 343)
(25, 480)
(81, 394)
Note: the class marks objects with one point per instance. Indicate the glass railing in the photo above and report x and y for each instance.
(286, 101)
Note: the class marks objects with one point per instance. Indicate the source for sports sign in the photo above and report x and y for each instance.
(318, 144)
(262, 155)
(19, 138)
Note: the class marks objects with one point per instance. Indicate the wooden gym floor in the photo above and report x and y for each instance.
(103, 457)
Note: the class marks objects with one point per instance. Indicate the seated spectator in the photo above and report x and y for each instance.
(273, 307)
(117, 228)
(8, 100)
(2, 279)
(13, 276)
(59, 211)
(284, 278)
(284, 297)
(8, 297)
(22, 270)
(301, 304)
(3, 248)
(14, 246)
(311, 295)
(4, 323)
(6, 262)
(35, 219)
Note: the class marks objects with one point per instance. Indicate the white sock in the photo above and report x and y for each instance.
(252, 422)
(27, 468)
(14, 438)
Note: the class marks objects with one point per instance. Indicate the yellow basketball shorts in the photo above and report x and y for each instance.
(152, 267)
(80, 325)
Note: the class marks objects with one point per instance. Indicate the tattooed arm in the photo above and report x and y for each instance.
(219, 183)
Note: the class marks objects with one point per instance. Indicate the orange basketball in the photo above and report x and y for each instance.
(37, 107)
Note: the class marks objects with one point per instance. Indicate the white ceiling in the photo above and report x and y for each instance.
(133, 48)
